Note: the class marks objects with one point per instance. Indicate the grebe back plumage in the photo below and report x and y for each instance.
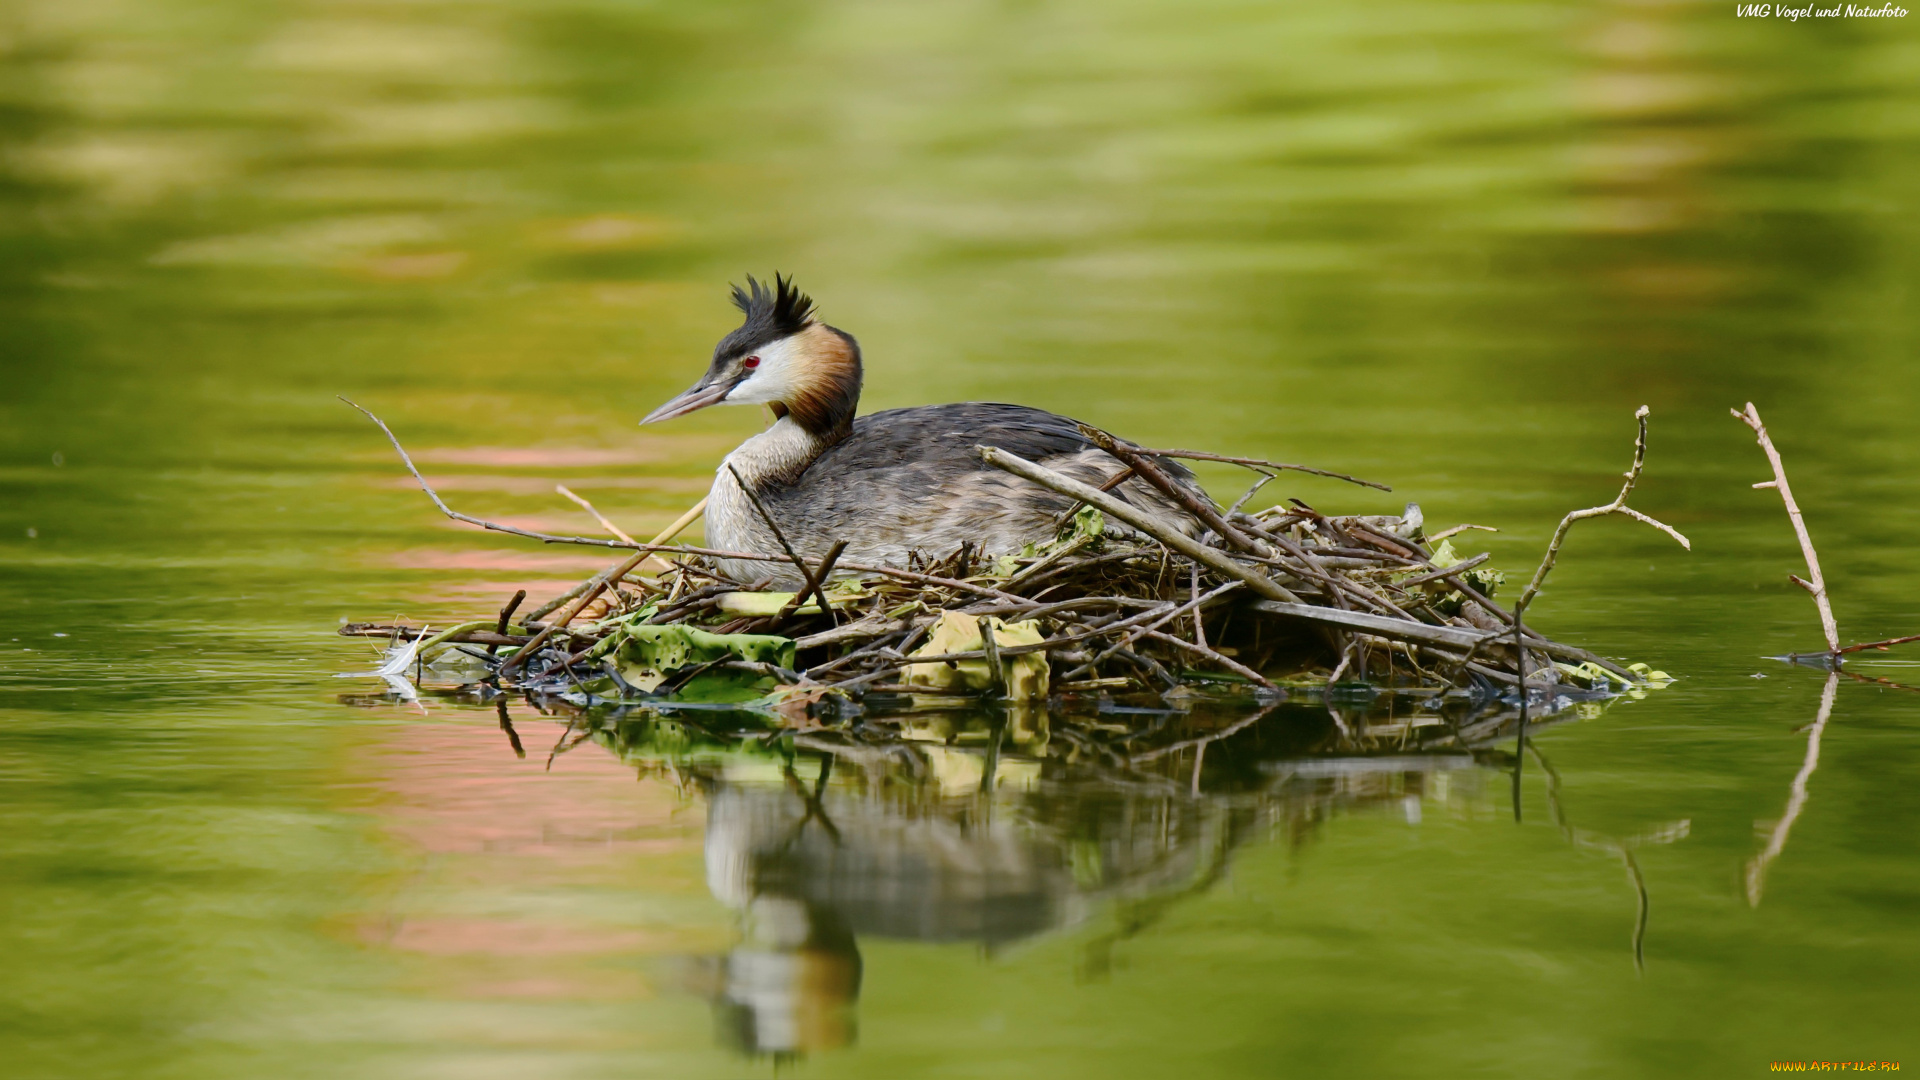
(890, 483)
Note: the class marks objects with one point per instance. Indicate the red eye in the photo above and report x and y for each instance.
(750, 363)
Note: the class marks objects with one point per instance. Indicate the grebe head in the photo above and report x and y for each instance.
(782, 357)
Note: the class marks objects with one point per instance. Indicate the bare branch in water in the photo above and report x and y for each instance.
(1617, 506)
(1881, 645)
(1817, 586)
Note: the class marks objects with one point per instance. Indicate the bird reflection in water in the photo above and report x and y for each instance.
(968, 831)
(788, 989)
(985, 823)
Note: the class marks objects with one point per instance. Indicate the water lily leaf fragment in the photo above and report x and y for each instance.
(1027, 673)
(646, 655)
(756, 603)
(1088, 524)
(1595, 677)
(1646, 671)
(1590, 675)
(1445, 598)
(840, 594)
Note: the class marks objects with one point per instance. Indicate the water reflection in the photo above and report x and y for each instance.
(1621, 848)
(790, 986)
(1796, 795)
(986, 828)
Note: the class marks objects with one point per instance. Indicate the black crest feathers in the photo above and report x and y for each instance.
(771, 313)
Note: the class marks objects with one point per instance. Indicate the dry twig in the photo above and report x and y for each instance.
(1818, 585)
(1139, 519)
(597, 515)
(1617, 506)
(1258, 465)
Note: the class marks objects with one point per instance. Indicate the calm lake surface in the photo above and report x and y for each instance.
(1449, 246)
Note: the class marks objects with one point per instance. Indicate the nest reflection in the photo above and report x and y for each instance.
(978, 827)
(963, 820)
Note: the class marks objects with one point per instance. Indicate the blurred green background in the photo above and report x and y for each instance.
(1450, 246)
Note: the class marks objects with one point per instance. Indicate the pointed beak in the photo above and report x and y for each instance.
(702, 394)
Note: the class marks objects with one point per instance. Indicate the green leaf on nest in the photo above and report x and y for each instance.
(1445, 598)
(646, 655)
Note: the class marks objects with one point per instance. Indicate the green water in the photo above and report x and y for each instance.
(1450, 246)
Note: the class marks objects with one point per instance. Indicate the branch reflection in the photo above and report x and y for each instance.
(1619, 848)
(1796, 796)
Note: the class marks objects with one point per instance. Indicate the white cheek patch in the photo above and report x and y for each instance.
(773, 380)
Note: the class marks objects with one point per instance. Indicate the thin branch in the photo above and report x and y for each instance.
(596, 584)
(691, 515)
(1112, 482)
(1520, 737)
(807, 581)
(1444, 533)
(1818, 586)
(1257, 465)
(815, 581)
(1139, 519)
(1033, 571)
(1881, 645)
(506, 613)
(1199, 506)
(1234, 666)
(1445, 571)
(1265, 479)
(548, 538)
(1617, 506)
(591, 589)
(1193, 606)
(990, 652)
(597, 515)
(1199, 622)
(519, 659)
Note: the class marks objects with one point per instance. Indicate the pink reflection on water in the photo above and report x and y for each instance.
(540, 457)
(458, 789)
(694, 486)
(502, 937)
(639, 450)
(526, 883)
(530, 561)
(463, 600)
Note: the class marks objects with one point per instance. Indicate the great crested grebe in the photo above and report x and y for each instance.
(889, 484)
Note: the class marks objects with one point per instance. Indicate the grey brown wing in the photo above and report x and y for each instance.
(912, 478)
(944, 437)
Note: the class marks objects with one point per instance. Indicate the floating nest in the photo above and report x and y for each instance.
(1288, 601)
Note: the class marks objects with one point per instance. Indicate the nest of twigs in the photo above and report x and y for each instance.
(1285, 599)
